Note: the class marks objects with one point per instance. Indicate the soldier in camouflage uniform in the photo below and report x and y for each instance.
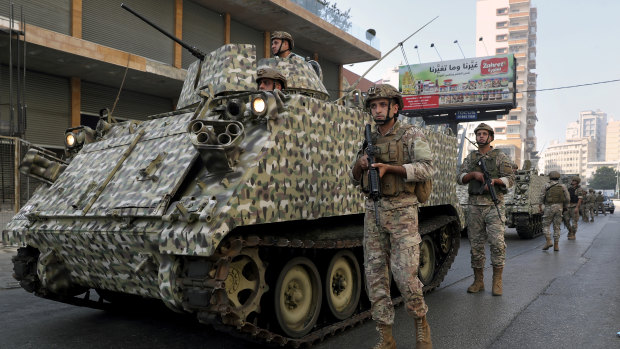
(576, 194)
(484, 222)
(556, 199)
(599, 203)
(269, 79)
(395, 243)
(590, 202)
(281, 44)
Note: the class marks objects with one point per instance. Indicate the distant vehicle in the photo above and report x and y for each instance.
(608, 205)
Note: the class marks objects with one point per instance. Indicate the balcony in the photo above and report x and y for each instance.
(519, 15)
(517, 2)
(521, 68)
(518, 28)
(517, 42)
(520, 83)
(531, 64)
(520, 55)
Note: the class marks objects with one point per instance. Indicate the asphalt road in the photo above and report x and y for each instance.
(565, 299)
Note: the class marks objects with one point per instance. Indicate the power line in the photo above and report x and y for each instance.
(573, 86)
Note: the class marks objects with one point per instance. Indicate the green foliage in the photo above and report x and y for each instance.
(604, 178)
(335, 16)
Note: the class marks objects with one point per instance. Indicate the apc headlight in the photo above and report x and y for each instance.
(70, 139)
(259, 106)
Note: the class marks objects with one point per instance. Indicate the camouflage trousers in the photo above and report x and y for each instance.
(590, 210)
(600, 207)
(484, 225)
(553, 214)
(395, 246)
(569, 215)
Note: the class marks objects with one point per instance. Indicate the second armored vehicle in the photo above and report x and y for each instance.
(523, 209)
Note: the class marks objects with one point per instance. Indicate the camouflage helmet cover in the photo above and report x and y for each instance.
(576, 179)
(384, 91)
(270, 73)
(591, 190)
(600, 192)
(554, 175)
(283, 36)
(483, 126)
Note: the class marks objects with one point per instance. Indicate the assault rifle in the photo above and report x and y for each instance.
(489, 183)
(373, 173)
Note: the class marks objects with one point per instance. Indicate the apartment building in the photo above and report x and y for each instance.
(569, 157)
(612, 142)
(78, 52)
(509, 26)
(594, 124)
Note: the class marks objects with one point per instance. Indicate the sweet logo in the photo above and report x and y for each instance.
(494, 66)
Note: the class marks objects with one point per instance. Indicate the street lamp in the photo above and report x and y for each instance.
(485, 46)
(418, 51)
(433, 45)
(457, 44)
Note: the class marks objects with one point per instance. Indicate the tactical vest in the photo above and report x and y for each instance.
(600, 198)
(554, 194)
(475, 187)
(573, 195)
(390, 150)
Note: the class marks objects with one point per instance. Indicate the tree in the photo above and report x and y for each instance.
(335, 16)
(604, 178)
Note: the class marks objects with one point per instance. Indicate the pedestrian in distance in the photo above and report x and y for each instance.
(599, 203)
(391, 237)
(590, 203)
(576, 194)
(486, 215)
(556, 198)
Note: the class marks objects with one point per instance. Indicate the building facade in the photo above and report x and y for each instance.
(612, 142)
(594, 124)
(569, 157)
(509, 26)
(80, 52)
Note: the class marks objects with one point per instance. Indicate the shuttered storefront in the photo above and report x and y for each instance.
(106, 23)
(131, 105)
(49, 14)
(242, 34)
(202, 28)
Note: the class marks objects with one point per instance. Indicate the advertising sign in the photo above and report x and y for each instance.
(464, 84)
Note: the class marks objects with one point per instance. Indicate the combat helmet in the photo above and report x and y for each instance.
(591, 190)
(576, 179)
(483, 126)
(283, 36)
(600, 192)
(554, 175)
(384, 91)
(270, 73)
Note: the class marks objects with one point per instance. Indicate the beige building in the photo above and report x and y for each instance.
(569, 157)
(509, 26)
(612, 144)
(594, 124)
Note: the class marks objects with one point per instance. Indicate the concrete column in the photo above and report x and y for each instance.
(340, 79)
(76, 103)
(227, 28)
(267, 44)
(76, 18)
(16, 174)
(178, 32)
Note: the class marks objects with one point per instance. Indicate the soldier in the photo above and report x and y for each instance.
(590, 202)
(395, 243)
(281, 44)
(556, 199)
(599, 203)
(576, 194)
(484, 222)
(268, 79)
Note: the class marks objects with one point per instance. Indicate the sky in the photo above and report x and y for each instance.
(578, 42)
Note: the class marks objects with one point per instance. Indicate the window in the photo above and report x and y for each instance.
(502, 37)
(500, 130)
(501, 50)
(514, 117)
(513, 129)
(502, 24)
(502, 11)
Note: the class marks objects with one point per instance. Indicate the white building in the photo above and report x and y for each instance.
(612, 144)
(569, 157)
(594, 124)
(509, 26)
(572, 131)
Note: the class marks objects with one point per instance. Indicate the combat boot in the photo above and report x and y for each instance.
(548, 244)
(422, 334)
(571, 234)
(497, 281)
(556, 245)
(478, 284)
(386, 340)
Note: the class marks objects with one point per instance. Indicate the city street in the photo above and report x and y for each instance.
(565, 299)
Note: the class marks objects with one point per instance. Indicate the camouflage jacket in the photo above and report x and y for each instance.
(590, 198)
(552, 183)
(504, 166)
(419, 168)
(600, 198)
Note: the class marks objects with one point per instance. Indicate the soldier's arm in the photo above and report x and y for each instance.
(356, 168)
(566, 195)
(506, 175)
(420, 167)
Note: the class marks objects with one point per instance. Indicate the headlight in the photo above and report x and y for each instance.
(69, 139)
(259, 106)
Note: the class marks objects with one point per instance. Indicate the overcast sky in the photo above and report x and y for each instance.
(577, 42)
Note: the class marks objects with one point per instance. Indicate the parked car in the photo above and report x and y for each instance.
(608, 205)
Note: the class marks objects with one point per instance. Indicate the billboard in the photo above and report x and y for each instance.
(464, 85)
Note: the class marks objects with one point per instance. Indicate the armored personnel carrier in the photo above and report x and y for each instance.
(523, 210)
(236, 207)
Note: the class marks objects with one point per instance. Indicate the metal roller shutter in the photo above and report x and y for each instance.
(242, 34)
(131, 105)
(106, 23)
(49, 14)
(202, 28)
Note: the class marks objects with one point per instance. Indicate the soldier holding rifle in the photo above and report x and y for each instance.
(401, 157)
(488, 173)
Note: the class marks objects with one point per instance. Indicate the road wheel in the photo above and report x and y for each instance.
(298, 296)
(427, 260)
(245, 283)
(343, 284)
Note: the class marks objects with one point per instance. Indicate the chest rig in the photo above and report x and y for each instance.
(390, 150)
(475, 187)
(554, 194)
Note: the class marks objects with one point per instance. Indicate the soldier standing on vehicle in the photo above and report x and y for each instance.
(269, 79)
(590, 203)
(599, 203)
(393, 242)
(556, 199)
(576, 201)
(484, 222)
(281, 44)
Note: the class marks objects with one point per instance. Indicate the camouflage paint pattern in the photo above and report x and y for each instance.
(503, 165)
(485, 225)
(553, 214)
(590, 200)
(129, 205)
(527, 196)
